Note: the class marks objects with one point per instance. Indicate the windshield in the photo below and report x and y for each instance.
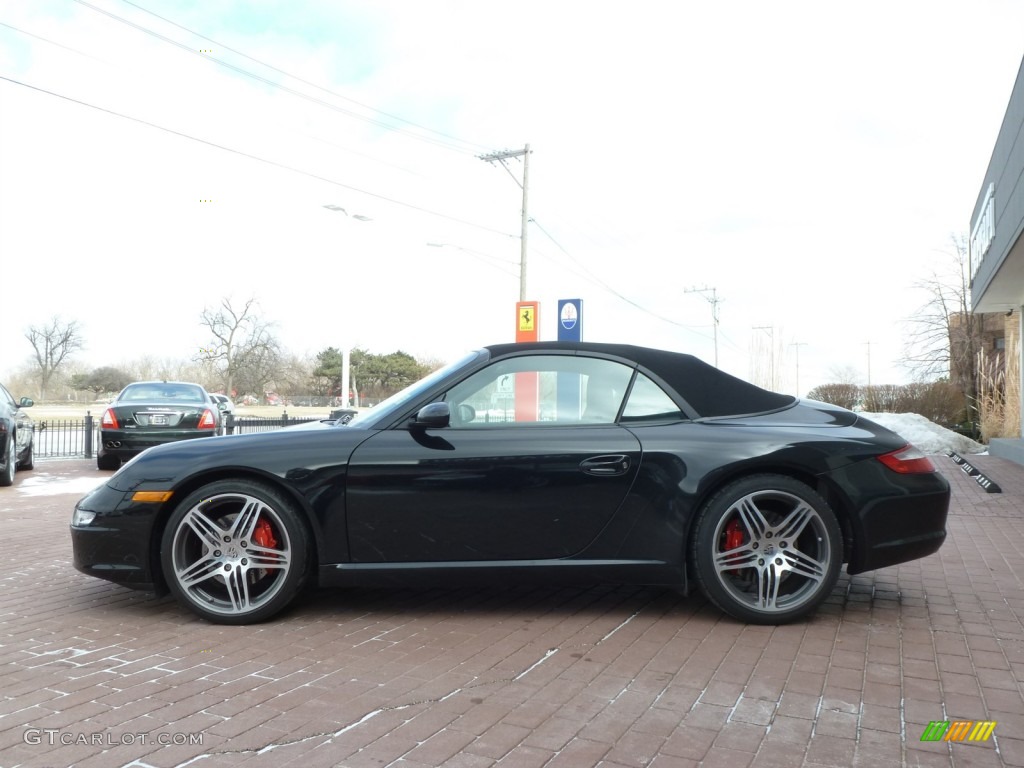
(163, 392)
(387, 408)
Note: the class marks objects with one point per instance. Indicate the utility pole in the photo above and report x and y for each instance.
(798, 344)
(501, 157)
(714, 311)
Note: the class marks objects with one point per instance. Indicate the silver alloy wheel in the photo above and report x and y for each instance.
(780, 554)
(221, 558)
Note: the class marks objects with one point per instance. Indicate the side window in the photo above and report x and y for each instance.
(648, 402)
(540, 389)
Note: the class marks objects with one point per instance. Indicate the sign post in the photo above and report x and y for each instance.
(570, 328)
(527, 329)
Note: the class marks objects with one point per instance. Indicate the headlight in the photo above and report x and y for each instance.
(82, 517)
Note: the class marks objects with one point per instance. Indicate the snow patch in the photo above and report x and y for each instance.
(928, 436)
(42, 484)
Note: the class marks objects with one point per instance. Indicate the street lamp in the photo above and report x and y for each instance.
(356, 216)
(346, 353)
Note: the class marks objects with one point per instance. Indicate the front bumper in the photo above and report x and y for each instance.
(116, 546)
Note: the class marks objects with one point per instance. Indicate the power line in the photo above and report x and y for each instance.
(445, 143)
(257, 158)
(590, 275)
(52, 42)
(486, 258)
(305, 82)
(307, 135)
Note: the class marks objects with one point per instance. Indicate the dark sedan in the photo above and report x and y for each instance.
(16, 436)
(149, 413)
(572, 462)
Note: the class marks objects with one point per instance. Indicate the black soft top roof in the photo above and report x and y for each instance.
(709, 391)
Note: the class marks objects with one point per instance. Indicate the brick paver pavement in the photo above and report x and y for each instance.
(97, 676)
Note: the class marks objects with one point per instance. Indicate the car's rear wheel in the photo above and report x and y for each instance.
(29, 462)
(235, 552)
(107, 461)
(767, 549)
(7, 476)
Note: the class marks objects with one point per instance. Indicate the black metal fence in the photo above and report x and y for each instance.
(66, 438)
(79, 438)
(242, 424)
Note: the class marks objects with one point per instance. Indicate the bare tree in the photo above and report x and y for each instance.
(841, 394)
(101, 380)
(946, 335)
(257, 366)
(767, 357)
(242, 346)
(883, 398)
(294, 374)
(53, 344)
(844, 374)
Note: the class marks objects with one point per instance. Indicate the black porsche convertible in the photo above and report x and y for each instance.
(577, 462)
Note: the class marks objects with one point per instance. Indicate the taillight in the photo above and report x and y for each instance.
(109, 419)
(207, 420)
(908, 460)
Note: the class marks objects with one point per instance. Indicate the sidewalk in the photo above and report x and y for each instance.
(97, 676)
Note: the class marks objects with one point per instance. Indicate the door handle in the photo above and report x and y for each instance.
(612, 464)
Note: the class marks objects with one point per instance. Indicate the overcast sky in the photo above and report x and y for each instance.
(807, 161)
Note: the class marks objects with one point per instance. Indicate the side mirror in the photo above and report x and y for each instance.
(26, 402)
(467, 413)
(222, 406)
(433, 416)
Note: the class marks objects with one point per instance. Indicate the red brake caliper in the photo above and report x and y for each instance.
(733, 535)
(264, 535)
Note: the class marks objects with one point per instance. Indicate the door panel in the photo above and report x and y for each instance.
(497, 493)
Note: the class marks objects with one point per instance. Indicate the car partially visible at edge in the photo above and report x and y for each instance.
(223, 402)
(16, 436)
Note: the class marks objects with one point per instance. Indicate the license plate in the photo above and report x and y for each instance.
(158, 420)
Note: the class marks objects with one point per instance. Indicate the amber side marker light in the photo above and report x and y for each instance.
(152, 496)
(908, 460)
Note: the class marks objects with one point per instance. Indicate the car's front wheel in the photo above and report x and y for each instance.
(767, 549)
(235, 552)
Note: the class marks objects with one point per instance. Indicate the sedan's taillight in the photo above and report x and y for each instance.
(109, 419)
(207, 421)
(908, 460)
